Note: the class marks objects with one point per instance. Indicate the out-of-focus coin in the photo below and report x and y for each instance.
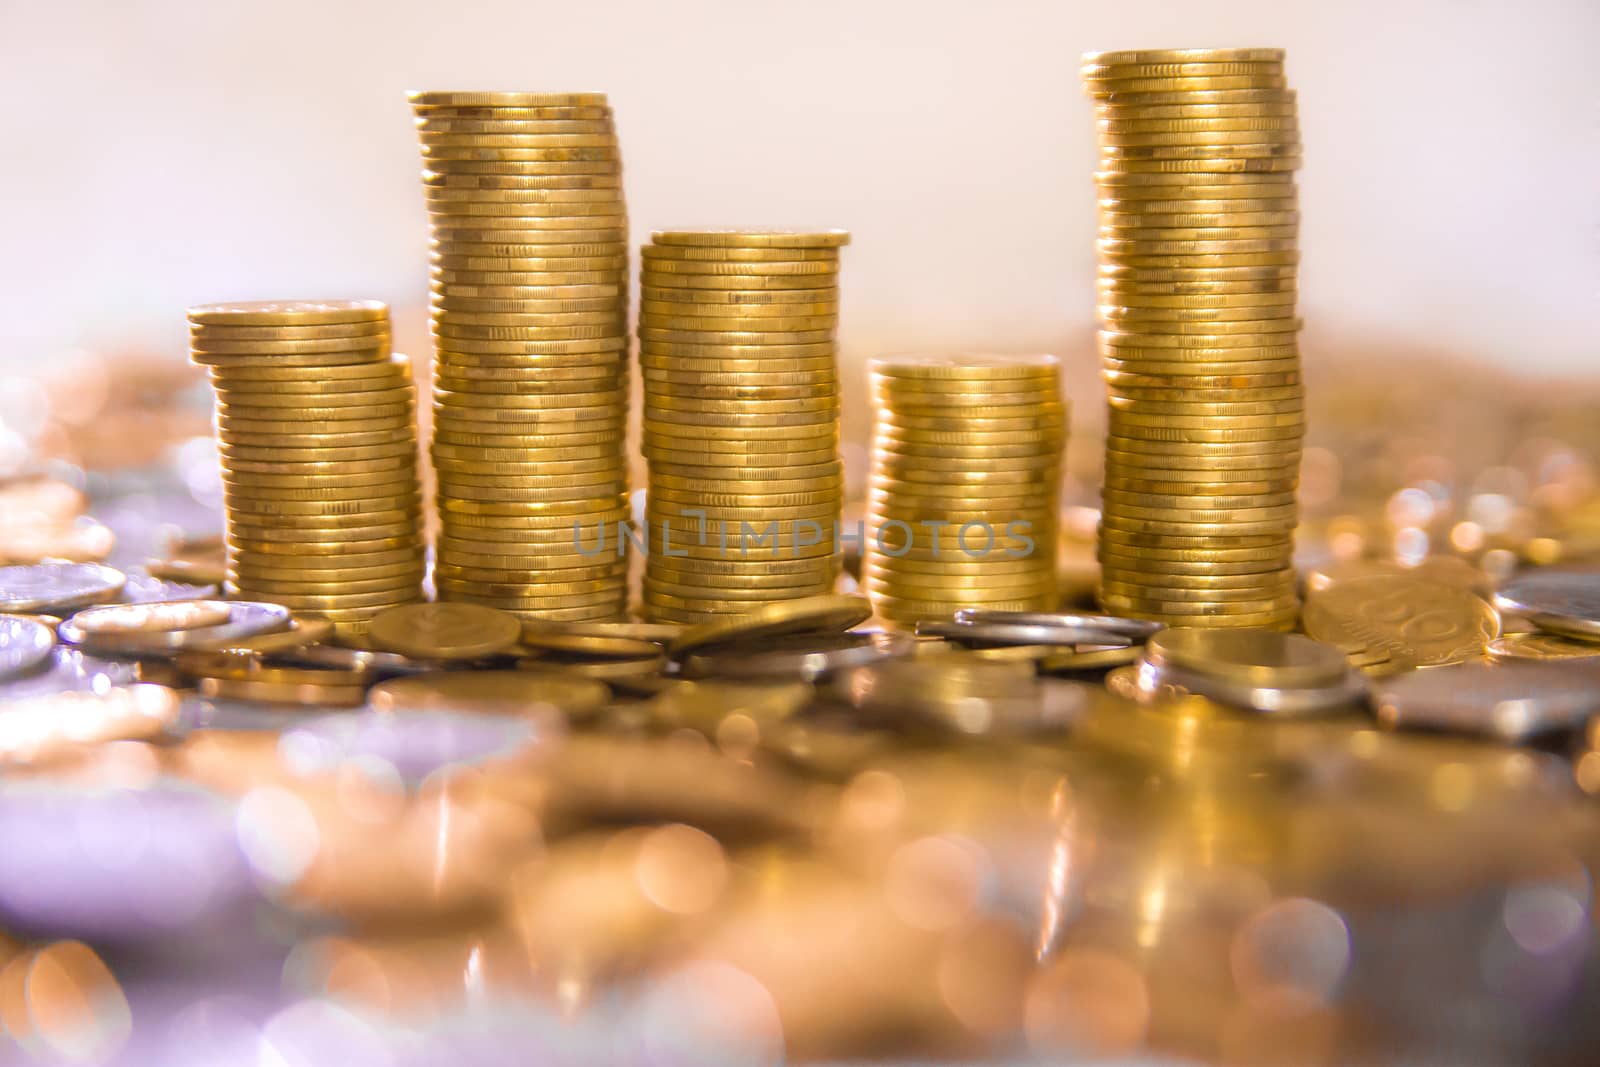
(807, 614)
(807, 657)
(1264, 658)
(491, 693)
(445, 631)
(1561, 601)
(1002, 633)
(713, 706)
(1395, 622)
(1506, 702)
(25, 645)
(1542, 647)
(55, 588)
(42, 726)
(1129, 629)
(162, 628)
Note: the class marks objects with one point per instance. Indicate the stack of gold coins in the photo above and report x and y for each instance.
(530, 308)
(316, 425)
(966, 472)
(741, 419)
(1198, 250)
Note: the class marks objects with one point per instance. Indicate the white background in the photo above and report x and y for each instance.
(161, 153)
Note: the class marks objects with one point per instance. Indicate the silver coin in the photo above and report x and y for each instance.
(1503, 701)
(337, 657)
(1133, 629)
(1562, 601)
(1285, 702)
(1010, 633)
(807, 657)
(966, 697)
(25, 645)
(245, 619)
(58, 587)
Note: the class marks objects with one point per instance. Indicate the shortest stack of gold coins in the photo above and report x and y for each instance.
(1199, 227)
(966, 473)
(741, 418)
(317, 434)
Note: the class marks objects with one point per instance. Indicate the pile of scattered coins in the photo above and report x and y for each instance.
(316, 427)
(1199, 225)
(530, 308)
(966, 475)
(984, 793)
(741, 417)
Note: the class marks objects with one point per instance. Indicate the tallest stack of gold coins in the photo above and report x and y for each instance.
(1198, 254)
(530, 309)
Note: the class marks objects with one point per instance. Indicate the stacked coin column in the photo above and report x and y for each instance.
(741, 419)
(530, 281)
(316, 427)
(966, 475)
(1198, 250)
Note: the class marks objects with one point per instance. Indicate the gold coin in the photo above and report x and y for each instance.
(807, 387)
(1195, 145)
(1185, 55)
(375, 330)
(1112, 87)
(438, 149)
(735, 254)
(351, 376)
(1094, 73)
(465, 280)
(284, 361)
(668, 301)
(211, 346)
(1198, 301)
(341, 456)
(445, 631)
(520, 168)
(1141, 100)
(436, 98)
(740, 359)
(449, 302)
(757, 238)
(713, 282)
(470, 212)
(374, 416)
(661, 269)
(1407, 620)
(1210, 165)
(656, 322)
(458, 352)
(1285, 119)
(288, 312)
(467, 184)
(972, 367)
(724, 337)
(236, 400)
(431, 122)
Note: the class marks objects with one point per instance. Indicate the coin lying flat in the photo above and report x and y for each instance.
(817, 614)
(57, 587)
(445, 631)
(1386, 623)
(25, 645)
(1255, 657)
(1562, 601)
(1502, 701)
(161, 628)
